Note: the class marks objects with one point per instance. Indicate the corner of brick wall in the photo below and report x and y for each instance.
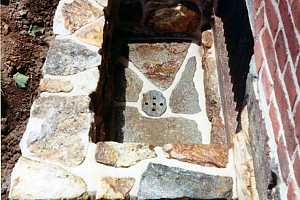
(276, 31)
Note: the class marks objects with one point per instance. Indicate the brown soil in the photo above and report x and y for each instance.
(22, 53)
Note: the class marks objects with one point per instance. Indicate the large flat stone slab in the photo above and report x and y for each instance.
(58, 129)
(36, 180)
(185, 98)
(123, 154)
(212, 155)
(66, 57)
(158, 131)
(92, 33)
(164, 182)
(78, 13)
(159, 62)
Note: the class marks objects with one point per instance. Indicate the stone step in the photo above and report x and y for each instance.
(164, 182)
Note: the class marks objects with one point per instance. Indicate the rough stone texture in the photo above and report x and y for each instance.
(243, 162)
(177, 18)
(35, 180)
(158, 131)
(184, 98)
(66, 57)
(92, 33)
(116, 188)
(154, 103)
(55, 85)
(158, 61)
(78, 13)
(207, 39)
(123, 154)
(58, 129)
(129, 87)
(203, 154)
(217, 134)
(259, 146)
(212, 93)
(160, 181)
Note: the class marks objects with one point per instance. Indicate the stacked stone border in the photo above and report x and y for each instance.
(275, 88)
(59, 161)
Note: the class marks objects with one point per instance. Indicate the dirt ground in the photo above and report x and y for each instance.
(25, 53)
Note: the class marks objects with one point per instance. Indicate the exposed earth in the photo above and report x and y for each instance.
(26, 29)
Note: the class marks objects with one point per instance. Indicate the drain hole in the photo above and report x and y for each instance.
(161, 104)
(146, 103)
(153, 109)
(154, 104)
(154, 98)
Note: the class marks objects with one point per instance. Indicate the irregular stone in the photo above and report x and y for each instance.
(122, 154)
(215, 155)
(177, 18)
(163, 182)
(55, 85)
(116, 188)
(78, 13)
(184, 97)
(154, 103)
(58, 129)
(159, 62)
(92, 33)
(160, 131)
(218, 133)
(129, 87)
(207, 38)
(36, 180)
(66, 57)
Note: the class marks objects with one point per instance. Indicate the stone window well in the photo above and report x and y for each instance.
(159, 81)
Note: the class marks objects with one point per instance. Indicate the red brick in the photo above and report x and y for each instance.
(272, 17)
(292, 190)
(290, 85)
(267, 84)
(297, 121)
(289, 29)
(295, 8)
(281, 50)
(258, 55)
(298, 71)
(284, 109)
(269, 51)
(259, 21)
(274, 119)
(296, 167)
(284, 160)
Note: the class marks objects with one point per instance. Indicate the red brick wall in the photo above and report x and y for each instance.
(276, 29)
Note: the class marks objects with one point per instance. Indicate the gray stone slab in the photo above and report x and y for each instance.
(138, 128)
(164, 182)
(154, 103)
(66, 57)
(129, 87)
(185, 98)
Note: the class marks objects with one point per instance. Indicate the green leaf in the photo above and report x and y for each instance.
(20, 79)
(34, 29)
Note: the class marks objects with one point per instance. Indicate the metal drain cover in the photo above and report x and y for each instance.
(154, 103)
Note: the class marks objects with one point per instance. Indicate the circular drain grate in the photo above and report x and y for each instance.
(154, 103)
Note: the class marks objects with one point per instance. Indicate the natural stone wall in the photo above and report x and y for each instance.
(168, 155)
